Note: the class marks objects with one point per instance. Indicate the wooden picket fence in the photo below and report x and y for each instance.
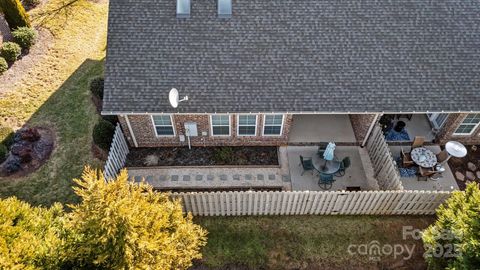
(241, 203)
(117, 154)
(384, 165)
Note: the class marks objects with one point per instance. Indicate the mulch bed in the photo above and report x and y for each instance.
(460, 164)
(201, 156)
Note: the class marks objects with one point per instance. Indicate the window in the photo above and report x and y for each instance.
(247, 125)
(163, 125)
(272, 125)
(220, 125)
(469, 124)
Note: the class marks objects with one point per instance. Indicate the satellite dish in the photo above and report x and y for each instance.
(174, 99)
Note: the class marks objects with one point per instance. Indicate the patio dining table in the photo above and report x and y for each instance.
(423, 157)
(325, 166)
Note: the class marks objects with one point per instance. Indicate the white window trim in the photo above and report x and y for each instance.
(466, 134)
(281, 127)
(155, 126)
(229, 125)
(238, 125)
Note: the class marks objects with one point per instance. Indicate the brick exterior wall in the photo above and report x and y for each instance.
(360, 124)
(451, 124)
(145, 136)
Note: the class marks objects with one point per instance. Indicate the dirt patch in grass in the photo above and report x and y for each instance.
(461, 165)
(308, 242)
(202, 156)
(23, 67)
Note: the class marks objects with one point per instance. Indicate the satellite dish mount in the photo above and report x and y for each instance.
(173, 97)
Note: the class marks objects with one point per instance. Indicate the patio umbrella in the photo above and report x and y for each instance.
(456, 149)
(328, 154)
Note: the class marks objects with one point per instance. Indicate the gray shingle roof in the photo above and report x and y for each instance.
(295, 55)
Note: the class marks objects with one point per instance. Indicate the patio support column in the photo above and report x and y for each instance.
(375, 119)
(131, 131)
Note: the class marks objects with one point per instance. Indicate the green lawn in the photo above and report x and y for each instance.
(305, 242)
(55, 94)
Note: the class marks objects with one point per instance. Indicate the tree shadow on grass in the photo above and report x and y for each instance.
(70, 113)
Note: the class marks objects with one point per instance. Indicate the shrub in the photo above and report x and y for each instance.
(3, 65)
(10, 51)
(6, 136)
(3, 152)
(96, 86)
(25, 37)
(15, 14)
(111, 118)
(103, 134)
(223, 155)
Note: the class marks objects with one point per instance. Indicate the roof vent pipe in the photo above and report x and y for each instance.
(183, 9)
(225, 8)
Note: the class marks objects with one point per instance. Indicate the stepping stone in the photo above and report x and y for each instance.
(460, 176)
(210, 177)
(260, 177)
(286, 178)
(223, 177)
(470, 176)
(236, 177)
(248, 177)
(162, 178)
(186, 178)
(271, 177)
(199, 177)
(137, 178)
(149, 178)
(472, 167)
(174, 177)
(478, 174)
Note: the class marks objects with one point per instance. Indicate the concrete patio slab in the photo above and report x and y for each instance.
(315, 128)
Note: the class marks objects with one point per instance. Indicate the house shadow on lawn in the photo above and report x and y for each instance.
(70, 114)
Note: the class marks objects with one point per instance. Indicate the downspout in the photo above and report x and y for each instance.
(131, 131)
(374, 122)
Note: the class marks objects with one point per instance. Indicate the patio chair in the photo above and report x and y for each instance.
(344, 165)
(425, 173)
(406, 159)
(326, 181)
(442, 156)
(418, 141)
(321, 149)
(307, 164)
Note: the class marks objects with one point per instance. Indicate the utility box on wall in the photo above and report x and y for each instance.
(191, 129)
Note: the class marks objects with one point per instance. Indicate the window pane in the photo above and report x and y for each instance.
(220, 120)
(275, 119)
(271, 130)
(164, 130)
(472, 118)
(221, 130)
(247, 120)
(162, 120)
(246, 130)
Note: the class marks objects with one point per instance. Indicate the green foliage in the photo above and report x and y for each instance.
(3, 65)
(456, 232)
(10, 51)
(15, 14)
(111, 118)
(223, 155)
(125, 225)
(6, 136)
(96, 86)
(3, 152)
(25, 37)
(103, 134)
(29, 235)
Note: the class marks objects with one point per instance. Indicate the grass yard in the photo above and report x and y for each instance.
(55, 94)
(306, 242)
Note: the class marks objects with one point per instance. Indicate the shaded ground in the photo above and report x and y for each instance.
(308, 242)
(201, 156)
(461, 165)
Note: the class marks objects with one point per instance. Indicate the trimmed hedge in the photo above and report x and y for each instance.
(3, 65)
(96, 86)
(15, 14)
(10, 51)
(103, 134)
(6, 136)
(3, 152)
(25, 37)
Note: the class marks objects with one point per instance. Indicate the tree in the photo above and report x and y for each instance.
(453, 241)
(29, 235)
(125, 225)
(15, 14)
